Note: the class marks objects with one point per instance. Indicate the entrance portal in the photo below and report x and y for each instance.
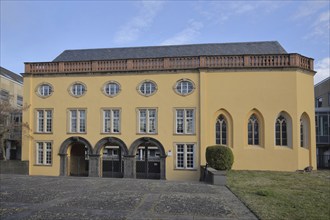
(148, 156)
(112, 162)
(111, 151)
(147, 162)
(75, 153)
(78, 160)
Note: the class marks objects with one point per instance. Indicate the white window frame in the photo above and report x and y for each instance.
(254, 121)
(44, 153)
(280, 121)
(77, 89)
(148, 121)
(221, 120)
(185, 154)
(19, 100)
(78, 120)
(111, 120)
(4, 95)
(144, 84)
(43, 92)
(107, 89)
(185, 119)
(181, 91)
(44, 124)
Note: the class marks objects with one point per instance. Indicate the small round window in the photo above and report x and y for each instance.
(147, 88)
(111, 88)
(77, 89)
(45, 90)
(184, 87)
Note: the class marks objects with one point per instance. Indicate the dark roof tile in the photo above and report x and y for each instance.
(10, 75)
(266, 47)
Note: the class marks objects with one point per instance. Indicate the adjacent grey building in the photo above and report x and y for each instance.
(322, 122)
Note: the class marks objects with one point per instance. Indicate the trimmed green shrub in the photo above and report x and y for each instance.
(219, 157)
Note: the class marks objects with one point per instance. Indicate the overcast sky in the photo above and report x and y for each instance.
(37, 31)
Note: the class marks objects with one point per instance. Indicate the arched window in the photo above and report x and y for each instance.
(304, 131)
(302, 144)
(253, 131)
(221, 131)
(281, 131)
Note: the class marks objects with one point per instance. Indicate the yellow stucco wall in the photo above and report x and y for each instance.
(269, 93)
(235, 93)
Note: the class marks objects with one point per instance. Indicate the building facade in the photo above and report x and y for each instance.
(11, 102)
(322, 122)
(150, 112)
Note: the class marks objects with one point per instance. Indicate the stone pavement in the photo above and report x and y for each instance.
(40, 197)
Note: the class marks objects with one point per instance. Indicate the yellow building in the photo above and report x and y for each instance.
(150, 112)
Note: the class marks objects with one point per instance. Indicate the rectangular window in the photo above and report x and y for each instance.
(185, 121)
(44, 153)
(4, 95)
(16, 118)
(324, 125)
(147, 121)
(318, 102)
(44, 121)
(185, 156)
(77, 121)
(19, 100)
(111, 121)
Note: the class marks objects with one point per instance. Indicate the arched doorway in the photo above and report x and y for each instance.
(79, 159)
(112, 151)
(75, 153)
(149, 156)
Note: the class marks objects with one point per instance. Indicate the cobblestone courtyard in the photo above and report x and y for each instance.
(36, 197)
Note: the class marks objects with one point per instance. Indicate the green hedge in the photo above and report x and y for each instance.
(219, 157)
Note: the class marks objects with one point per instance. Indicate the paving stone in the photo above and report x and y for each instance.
(42, 197)
(199, 205)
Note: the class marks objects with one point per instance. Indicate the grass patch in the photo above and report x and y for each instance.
(283, 195)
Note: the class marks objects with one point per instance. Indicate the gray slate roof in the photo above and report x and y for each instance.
(266, 47)
(10, 75)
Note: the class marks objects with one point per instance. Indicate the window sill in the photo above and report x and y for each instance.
(179, 134)
(278, 147)
(76, 132)
(42, 165)
(140, 133)
(43, 132)
(107, 133)
(185, 169)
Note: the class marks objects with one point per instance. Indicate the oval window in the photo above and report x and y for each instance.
(147, 88)
(184, 87)
(45, 90)
(111, 88)
(78, 89)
